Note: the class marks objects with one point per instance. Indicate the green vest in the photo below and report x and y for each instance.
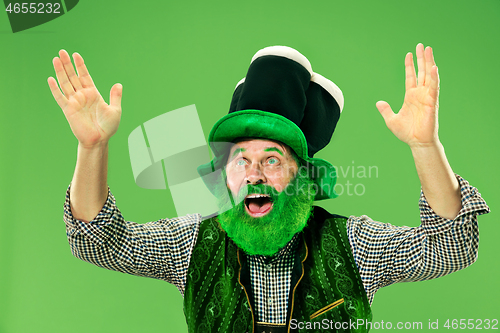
(326, 295)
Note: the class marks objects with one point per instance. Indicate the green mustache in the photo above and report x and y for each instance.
(257, 189)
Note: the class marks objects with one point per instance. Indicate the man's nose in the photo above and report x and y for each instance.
(255, 175)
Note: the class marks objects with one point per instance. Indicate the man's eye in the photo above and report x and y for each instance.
(240, 162)
(272, 160)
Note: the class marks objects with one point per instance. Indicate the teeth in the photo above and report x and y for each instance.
(255, 196)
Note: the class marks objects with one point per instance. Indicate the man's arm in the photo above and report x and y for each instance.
(386, 254)
(97, 232)
(160, 249)
(93, 122)
(447, 239)
(416, 124)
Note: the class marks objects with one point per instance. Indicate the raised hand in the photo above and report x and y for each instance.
(417, 121)
(92, 120)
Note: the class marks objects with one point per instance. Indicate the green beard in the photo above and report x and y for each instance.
(268, 234)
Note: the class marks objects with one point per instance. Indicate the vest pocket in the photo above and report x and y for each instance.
(327, 308)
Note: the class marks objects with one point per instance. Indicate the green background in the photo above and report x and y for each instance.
(169, 54)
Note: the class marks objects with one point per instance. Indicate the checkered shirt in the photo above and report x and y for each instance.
(270, 279)
(384, 253)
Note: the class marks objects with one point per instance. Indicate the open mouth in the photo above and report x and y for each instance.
(258, 205)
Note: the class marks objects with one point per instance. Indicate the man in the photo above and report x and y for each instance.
(270, 262)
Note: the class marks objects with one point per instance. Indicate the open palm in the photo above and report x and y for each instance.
(417, 121)
(90, 118)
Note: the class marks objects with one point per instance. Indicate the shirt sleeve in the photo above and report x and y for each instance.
(159, 249)
(386, 254)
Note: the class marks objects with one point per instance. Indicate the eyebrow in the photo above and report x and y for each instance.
(274, 149)
(237, 151)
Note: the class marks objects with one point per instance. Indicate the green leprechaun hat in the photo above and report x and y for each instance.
(280, 99)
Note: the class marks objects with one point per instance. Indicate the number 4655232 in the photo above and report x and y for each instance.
(471, 324)
(34, 8)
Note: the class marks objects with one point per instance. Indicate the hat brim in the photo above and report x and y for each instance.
(270, 126)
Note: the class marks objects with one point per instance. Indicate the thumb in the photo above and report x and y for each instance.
(385, 110)
(115, 96)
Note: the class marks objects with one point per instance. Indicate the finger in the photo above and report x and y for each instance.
(421, 64)
(115, 96)
(434, 84)
(385, 110)
(411, 78)
(56, 92)
(62, 77)
(83, 73)
(70, 70)
(429, 62)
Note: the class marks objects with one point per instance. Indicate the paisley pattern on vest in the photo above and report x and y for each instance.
(327, 288)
